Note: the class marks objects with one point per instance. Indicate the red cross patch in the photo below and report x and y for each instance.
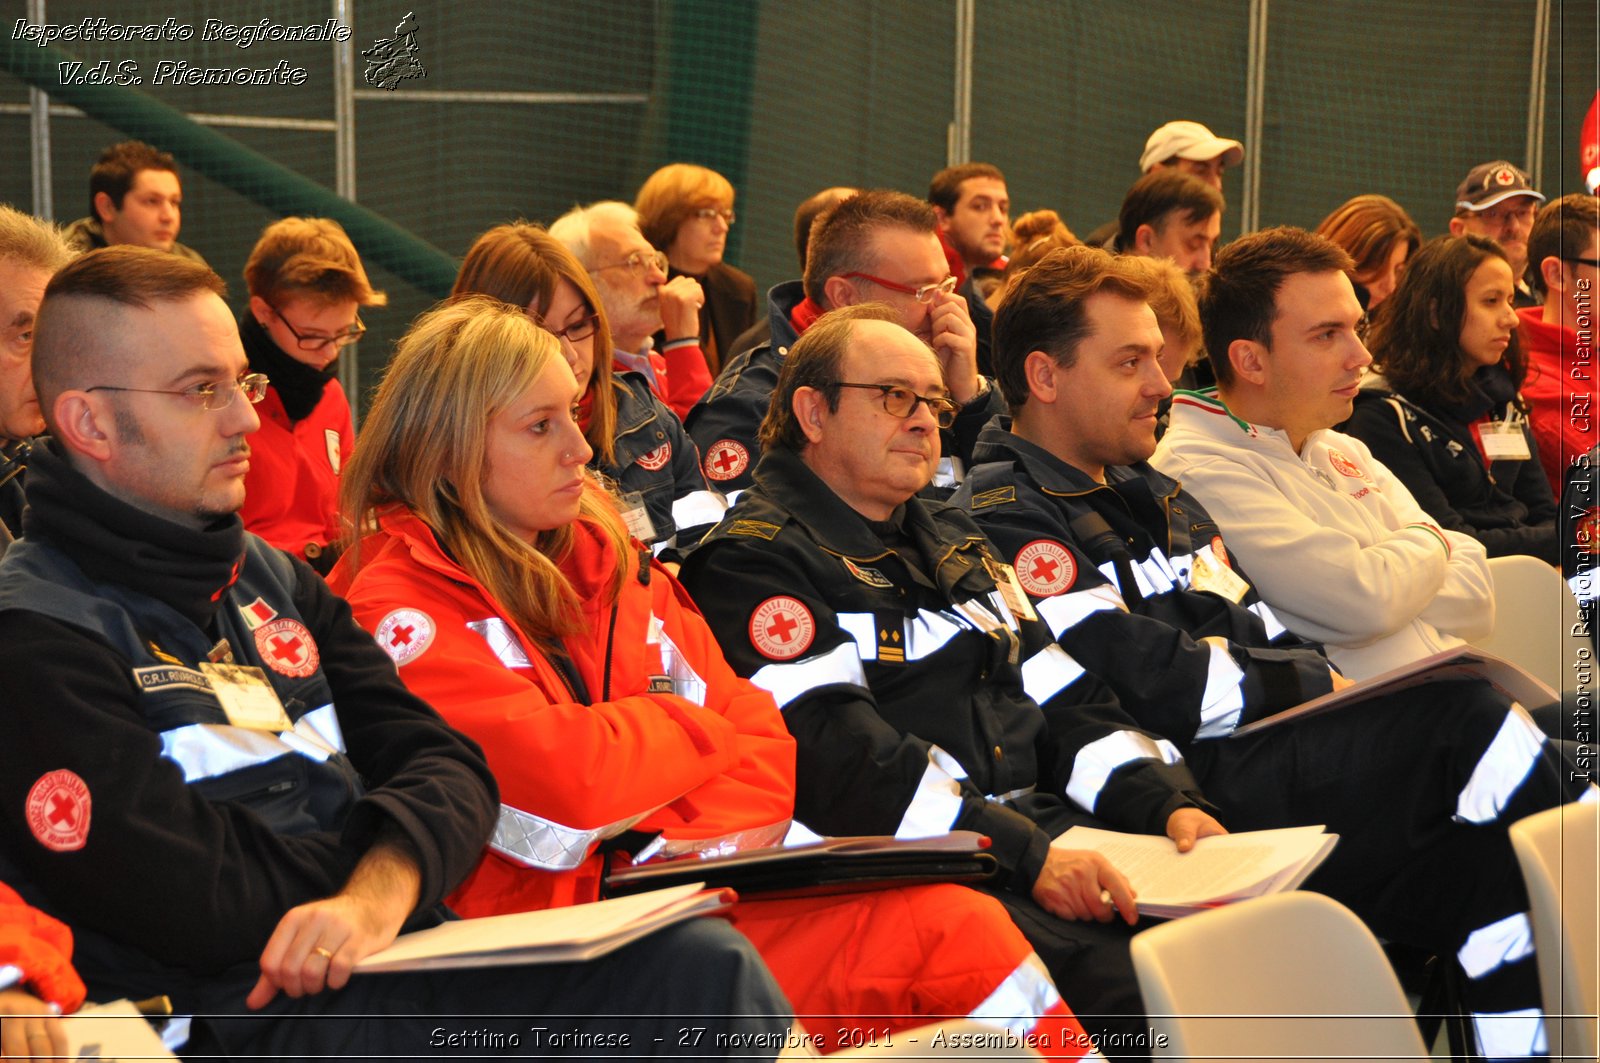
(58, 811)
(1045, 567)
(657, 458)
(1345, 465)
(287, 648)
(726, 459)
(404, 634)
(781, 628)
(1505, 176)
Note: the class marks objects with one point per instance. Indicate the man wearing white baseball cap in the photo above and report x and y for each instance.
(1192, 148)
(1497, 200)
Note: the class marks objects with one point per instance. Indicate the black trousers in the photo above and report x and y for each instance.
(695, 990)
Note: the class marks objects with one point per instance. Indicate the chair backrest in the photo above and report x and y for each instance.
(1533, 610)
(1277, 978)
(1559, 853)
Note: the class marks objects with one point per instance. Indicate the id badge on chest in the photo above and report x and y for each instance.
(637, 517)
(1504, 441)
(247, 697)
(1209, 573)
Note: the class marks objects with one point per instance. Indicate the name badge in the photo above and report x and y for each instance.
(247, 697)
(637, 517)
(1012, 593)
(1210, 574)
(1504, 442)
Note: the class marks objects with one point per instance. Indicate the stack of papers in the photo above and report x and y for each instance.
(1219, 870)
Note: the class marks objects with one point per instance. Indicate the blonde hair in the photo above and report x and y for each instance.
(1173, 300)
(424, 447)
(309, 256)
(672, 193)
(520, 263)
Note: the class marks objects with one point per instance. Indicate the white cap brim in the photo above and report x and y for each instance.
(1501, 198)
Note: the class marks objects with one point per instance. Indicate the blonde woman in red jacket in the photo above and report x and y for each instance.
(499, 576)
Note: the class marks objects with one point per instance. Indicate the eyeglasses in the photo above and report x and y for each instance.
(923, 294)
(316, 343)
(902, 402)
(1582, 260)
(707, 213)
(1501, 215)
(639, 263)
(210, 395)
(576, 332)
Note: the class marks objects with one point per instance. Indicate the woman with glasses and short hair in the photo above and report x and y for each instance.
(307, 288)
(637, 442)
(686, 211)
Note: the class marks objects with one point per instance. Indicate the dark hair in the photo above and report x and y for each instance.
(1239, 298)
(1045, 309)
(814, 362)
(1416, 339)
(1369, 228)
(945, 191)
(117, 167)
(841, 239)
(805, 215)
(1562, 229)
(67, 345)
(1158, 194)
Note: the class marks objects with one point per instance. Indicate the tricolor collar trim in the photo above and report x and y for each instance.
(1210, 402)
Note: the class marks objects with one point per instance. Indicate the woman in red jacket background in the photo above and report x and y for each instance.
(503, 583)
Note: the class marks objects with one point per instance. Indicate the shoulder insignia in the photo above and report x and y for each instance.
(58, 811)
(782, 628)
(891, 637)
(160, 654)
(996, 497)
(404, 634)
(1044, 567)
(757, 529)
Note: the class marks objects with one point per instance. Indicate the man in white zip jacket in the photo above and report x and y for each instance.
(1336, 543)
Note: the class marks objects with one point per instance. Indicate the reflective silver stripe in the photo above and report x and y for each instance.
(1017, 1002)
(207, 750)
(929, 632)
(1502, 768)
(1096, 761)
(1066, 611)
(1049, 672)
(1168, 566)
(1109, 571)
(9, 976)
(697, 508)
(502, 640)
(1224, 695)
(732, 497)
(722, 845)
(1010, 795)
(1511, 1034)
(661, 546)
(686, 682)
(1269, 618)
(321, 724)
(937, 802)
(175, 1034)
(1154, 575)
(1584, 587)
(550, 846)
(1491, 947)
(788, 681)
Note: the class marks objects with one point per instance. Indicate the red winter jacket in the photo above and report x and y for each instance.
(292, 490)
(40, 949)
(707, 759)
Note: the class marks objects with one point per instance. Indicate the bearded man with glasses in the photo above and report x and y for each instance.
(307, 287)
(876, 246)
(923, 693)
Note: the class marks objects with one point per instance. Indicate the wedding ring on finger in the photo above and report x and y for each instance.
(324, 953)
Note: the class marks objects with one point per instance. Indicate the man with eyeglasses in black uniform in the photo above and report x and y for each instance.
(876, 246)
(307, 289)
(923, 694)
(214, 776)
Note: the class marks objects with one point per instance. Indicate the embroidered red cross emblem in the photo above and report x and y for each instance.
(287, 650)
(782, 626)
(402, 635)
(1044, 569)
(63, 810)
(725, 460)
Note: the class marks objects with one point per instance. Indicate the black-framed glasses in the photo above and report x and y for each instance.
(707, 213)
(639, 263)
(316, 343)
(902, 402)
(1583, 260)
(923, 294)
(576, 332)
(210, 395)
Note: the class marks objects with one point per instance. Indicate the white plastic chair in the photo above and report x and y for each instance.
(1534, 611)
(1277, 978)
(1559, 853)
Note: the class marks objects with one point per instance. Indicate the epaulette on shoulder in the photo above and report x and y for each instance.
(997, 496)
(755, 529)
